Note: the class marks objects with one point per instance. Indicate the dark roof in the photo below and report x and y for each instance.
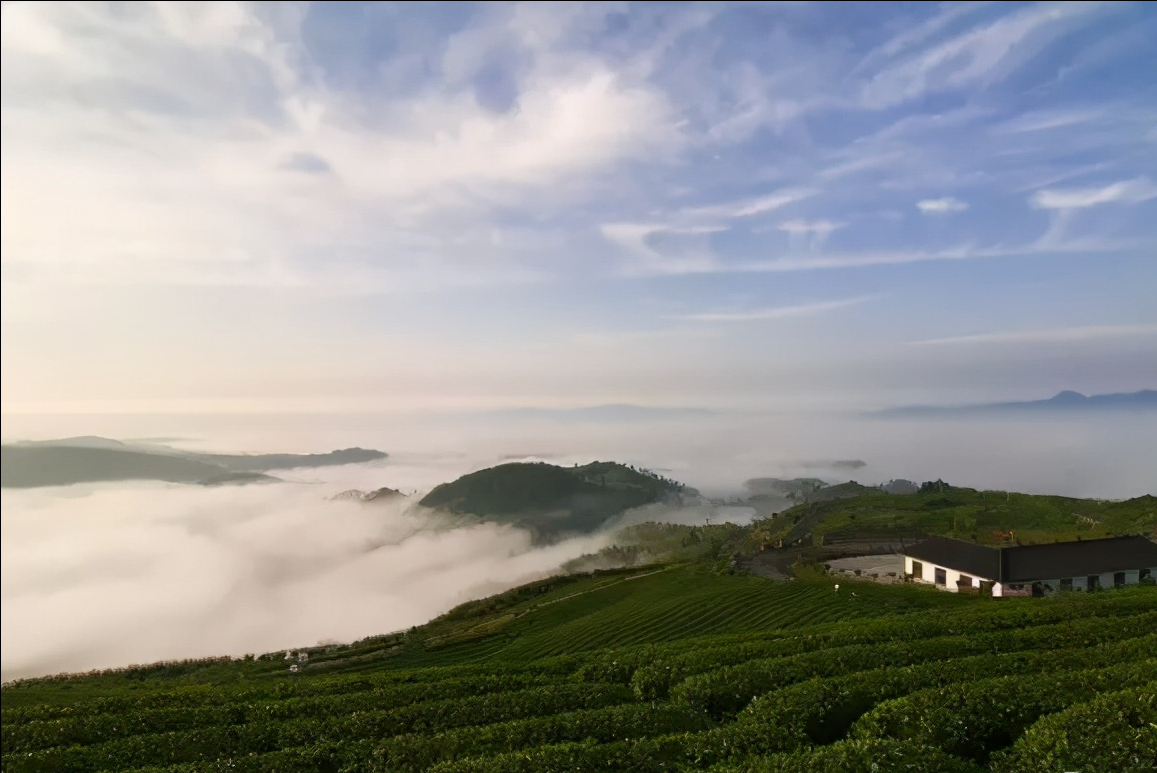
(1027, 563)
(1077, 559)
(967, 557)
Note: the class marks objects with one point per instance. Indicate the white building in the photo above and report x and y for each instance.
(1031, 570)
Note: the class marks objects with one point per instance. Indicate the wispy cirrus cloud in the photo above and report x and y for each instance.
(912, 66)
(941, 206)
(1038, 121)
(749, 207)
(776, 312)
(810, 227)
(1132, 191)
(1052, 335)
(582, 166)
(691, 255)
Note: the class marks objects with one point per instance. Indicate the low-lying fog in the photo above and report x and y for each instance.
(111, 574)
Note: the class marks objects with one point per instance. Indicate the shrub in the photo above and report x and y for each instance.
(855, 756)
(1113, 733)
(974, 719)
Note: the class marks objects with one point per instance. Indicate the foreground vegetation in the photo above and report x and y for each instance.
(652, 669)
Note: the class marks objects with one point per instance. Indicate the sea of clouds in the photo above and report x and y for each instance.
(111, 574)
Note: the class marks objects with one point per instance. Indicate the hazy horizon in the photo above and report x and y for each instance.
(368, 206)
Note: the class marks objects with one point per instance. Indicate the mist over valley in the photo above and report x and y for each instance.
(105, 574)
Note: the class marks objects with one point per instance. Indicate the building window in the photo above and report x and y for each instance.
(1093, 582)
(941, 576)
(1067, 583)
(918, 570)
(1118, 579)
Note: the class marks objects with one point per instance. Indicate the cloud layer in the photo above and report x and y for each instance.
(110, 575)
(198, 201)
(107, 575)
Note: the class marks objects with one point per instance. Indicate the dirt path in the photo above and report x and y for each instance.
(777, 564)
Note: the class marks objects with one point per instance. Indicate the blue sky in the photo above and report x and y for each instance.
(338, 205)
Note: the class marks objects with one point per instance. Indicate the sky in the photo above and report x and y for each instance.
(344, 206)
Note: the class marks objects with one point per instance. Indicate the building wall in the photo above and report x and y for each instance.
(952, 576)
(928, 574)
(1132, 577)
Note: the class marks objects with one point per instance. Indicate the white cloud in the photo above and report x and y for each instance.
(1125, 192)
(635, 239)
(983, 54)
(160, 146)
(1045, 120)
(862, 259)
(941, 206)
(812, 232)
(107, 575)
(1054, 335)
(694, 225)
(777, 312)
(817, 227)
(757, 205)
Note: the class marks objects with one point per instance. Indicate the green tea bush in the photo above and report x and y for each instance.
(1113, 733)
(973, 719)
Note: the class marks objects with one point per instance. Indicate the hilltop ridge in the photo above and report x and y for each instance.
(551, 500)
(91, 459)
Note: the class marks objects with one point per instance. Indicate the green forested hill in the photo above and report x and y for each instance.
(963, 513)
(549, 499)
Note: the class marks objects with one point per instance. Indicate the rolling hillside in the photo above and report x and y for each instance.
(986, 517)
(675, 669)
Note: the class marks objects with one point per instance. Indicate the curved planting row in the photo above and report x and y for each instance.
(727, 690)
(265, 736)
(1113, 733)
(972, 718)
(1004, 687)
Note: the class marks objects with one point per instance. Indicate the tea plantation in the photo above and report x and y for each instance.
(655, 669)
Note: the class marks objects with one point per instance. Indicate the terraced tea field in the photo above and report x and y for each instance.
(678, 669)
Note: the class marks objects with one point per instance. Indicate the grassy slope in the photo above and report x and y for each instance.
(652, 605)
(963, 514)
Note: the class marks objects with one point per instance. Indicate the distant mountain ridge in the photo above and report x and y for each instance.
(1066, 401)
(91, 459)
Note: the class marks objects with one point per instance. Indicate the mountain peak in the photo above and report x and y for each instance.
(1068, 396)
